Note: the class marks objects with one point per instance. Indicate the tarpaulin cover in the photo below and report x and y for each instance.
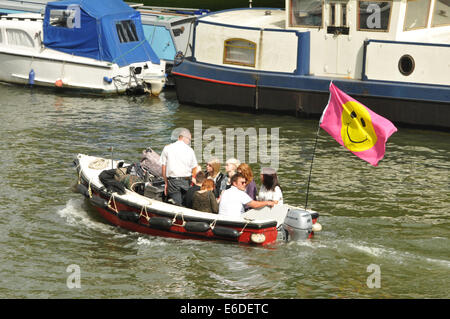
(106, 30)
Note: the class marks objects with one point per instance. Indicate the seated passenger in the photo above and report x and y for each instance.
(270, 188)
(250, 186)
(214, 173)
(235, 198)
(231, 166)
(204, 199)
(198, 181)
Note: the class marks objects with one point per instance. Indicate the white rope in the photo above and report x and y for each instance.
(114, 201)
(182, 218)
(242, 231)
(144, 208)
(99, 163)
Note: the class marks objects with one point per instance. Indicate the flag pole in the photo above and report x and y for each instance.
(315, 145)
(311, 166)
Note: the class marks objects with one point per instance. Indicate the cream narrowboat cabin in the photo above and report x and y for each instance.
(392, 55)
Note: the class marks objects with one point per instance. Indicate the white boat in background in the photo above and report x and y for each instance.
(96, 46)
(168, 30)
(392, 55)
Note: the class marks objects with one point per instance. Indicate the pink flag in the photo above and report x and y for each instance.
(356, 127)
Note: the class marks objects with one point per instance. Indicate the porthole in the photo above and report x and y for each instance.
(406, 65)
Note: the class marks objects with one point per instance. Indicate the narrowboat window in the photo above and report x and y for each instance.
(19, 37)
(306, 13)
(68, 18)
(239, 51)
(374, 15)
(344, 14)
(441, 13)
(332, 13)
(126, 30)
(416, 14)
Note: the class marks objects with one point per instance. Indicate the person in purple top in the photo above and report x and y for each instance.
(250, 188)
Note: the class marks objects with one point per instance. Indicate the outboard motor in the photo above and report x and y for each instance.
(297, 225)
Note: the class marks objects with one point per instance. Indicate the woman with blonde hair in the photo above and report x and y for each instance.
(204, 199)
(214, 173)
(231, 166)
(250, 187)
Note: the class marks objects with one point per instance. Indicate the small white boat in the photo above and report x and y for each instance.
(88, 45)
(147, 213)
(168, 30)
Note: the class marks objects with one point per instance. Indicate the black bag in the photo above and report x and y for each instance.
(111, 184)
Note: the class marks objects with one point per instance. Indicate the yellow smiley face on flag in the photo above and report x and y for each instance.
(357, 130)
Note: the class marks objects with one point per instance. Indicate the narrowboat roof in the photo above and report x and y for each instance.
(266, 18)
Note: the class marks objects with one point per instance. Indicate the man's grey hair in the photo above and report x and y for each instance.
(184, 132)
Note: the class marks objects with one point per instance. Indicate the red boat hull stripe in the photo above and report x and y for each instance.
(214, 81)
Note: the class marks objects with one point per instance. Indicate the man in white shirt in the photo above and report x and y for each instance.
(179, 164)
(234, 199)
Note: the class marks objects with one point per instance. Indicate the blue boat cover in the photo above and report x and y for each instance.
(106, 30)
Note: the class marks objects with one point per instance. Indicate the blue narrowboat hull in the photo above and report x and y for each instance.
(306, 96)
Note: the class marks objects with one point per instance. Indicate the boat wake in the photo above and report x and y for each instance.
(150, 242)
(76, 215)
(395, 255)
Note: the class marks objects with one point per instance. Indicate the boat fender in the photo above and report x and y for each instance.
(98, 201)
(196, 227)
(82, 189)
(107, 79)
(128, 216)
(316, 227)
(225, 232)
(160, 222)
(31, 76)
(59, 83)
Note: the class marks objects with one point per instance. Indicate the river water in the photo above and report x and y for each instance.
(385, 229)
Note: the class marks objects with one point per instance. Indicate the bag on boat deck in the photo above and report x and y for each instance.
(150, 162)
(107, 177)
(129, 178)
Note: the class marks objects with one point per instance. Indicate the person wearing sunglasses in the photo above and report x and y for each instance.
(234, 200)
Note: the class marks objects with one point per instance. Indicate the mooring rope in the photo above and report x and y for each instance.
(144, 208)
(242, 231)
(182, 219)
(114, 201)
(213, 224)
(90, 189)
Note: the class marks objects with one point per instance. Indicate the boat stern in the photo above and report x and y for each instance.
(154, 76)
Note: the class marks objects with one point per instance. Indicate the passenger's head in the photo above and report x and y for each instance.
(185, 136)
(200, 178)
(269, 178)
(245, 170)
(208, 185)
(238, 180)
(213, 167)
(231, 165)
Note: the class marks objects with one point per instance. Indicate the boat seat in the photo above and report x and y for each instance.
(277, 212)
